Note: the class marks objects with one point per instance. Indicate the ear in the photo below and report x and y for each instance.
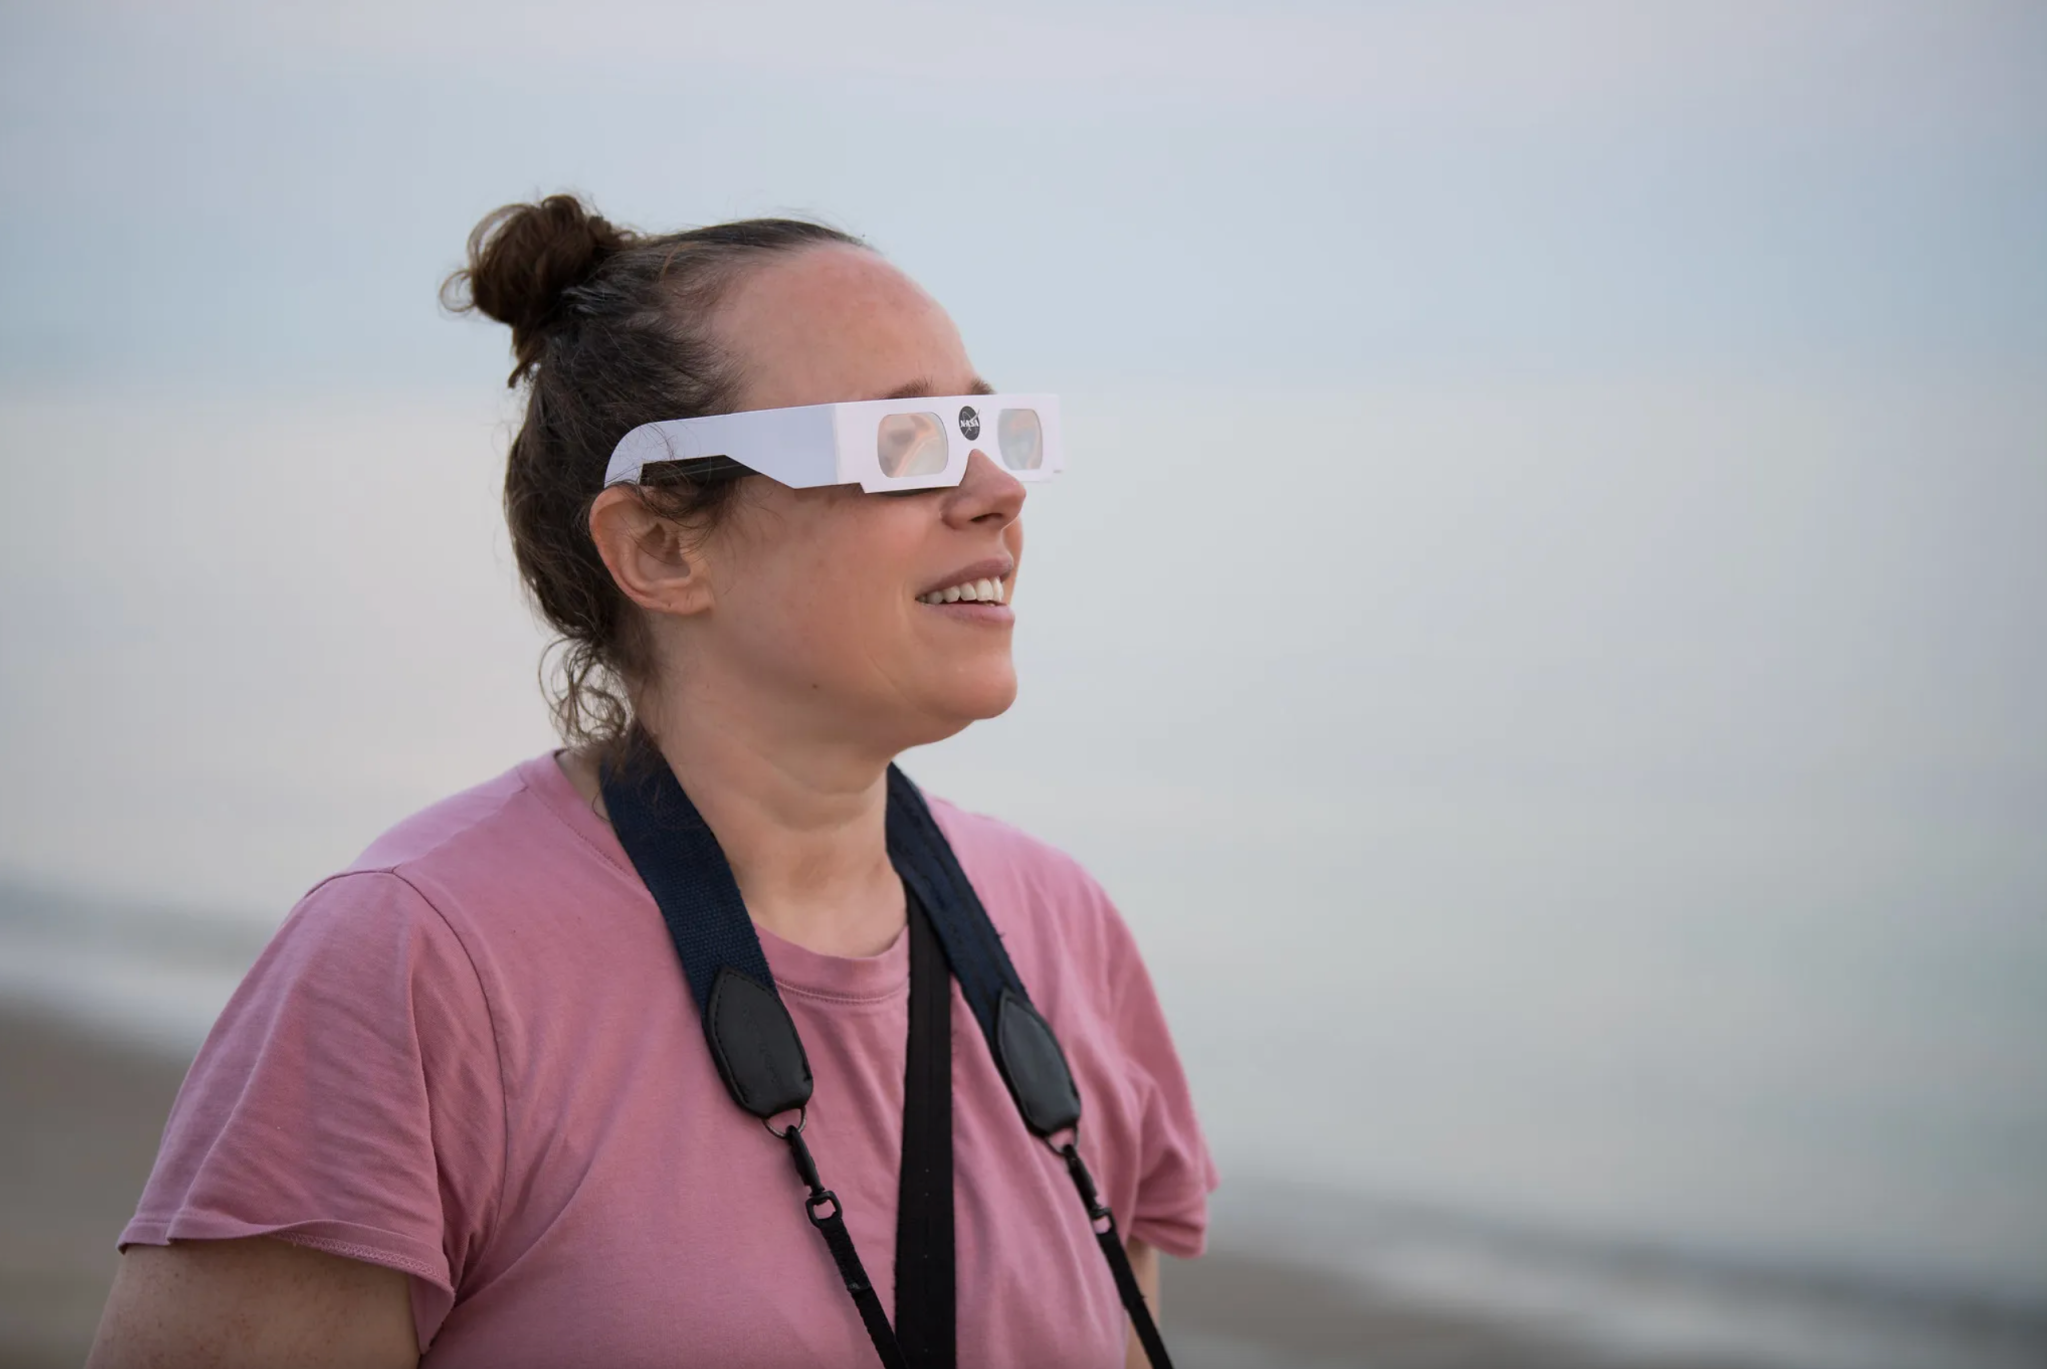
(649, 557)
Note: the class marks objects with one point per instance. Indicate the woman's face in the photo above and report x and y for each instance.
(817, 596)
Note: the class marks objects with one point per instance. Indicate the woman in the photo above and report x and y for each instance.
(463, 1112)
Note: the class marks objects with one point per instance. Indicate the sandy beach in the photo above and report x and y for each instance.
(78, 1129)
(83, 1112)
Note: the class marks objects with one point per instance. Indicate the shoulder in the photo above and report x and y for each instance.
(525, 814)
(1050, 911)
(474, 892)
(489, 846)
(992, 850)
(993, 840)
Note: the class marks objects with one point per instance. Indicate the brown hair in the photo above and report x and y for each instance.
(610, 329)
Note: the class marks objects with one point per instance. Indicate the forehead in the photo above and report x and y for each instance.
(834, 323)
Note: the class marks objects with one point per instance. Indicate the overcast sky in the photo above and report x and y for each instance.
(1293, 190)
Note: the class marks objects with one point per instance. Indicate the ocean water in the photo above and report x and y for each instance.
(1587, 840)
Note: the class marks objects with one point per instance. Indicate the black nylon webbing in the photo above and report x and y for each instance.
(679, 860)
(829, 1217)
(840, 1241)
(923, 856)
(1111, 1241)
(926, 1308)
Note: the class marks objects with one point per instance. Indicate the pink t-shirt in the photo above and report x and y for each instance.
(473, 1057)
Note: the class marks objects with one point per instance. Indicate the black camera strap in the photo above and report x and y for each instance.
(926, 1302)
(754, 1043)
(1025, 1050)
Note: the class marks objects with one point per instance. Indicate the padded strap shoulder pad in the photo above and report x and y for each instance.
(1034, 1066)
(759, 1054)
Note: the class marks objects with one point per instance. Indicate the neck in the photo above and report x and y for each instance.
(801, 821)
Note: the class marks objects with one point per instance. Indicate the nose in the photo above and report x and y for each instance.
(987, 496)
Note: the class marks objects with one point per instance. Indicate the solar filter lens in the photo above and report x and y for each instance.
(1021, 439)
(911, 444)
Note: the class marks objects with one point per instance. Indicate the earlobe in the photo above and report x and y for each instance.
(649, 558)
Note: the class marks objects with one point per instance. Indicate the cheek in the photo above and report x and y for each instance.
(831, 597)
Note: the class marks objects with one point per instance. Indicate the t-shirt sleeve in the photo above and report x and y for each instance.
(348, 1099)
(1174, 1171)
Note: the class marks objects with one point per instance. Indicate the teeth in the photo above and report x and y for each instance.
(974, 591)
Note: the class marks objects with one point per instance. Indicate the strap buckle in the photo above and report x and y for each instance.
(1098, 1214)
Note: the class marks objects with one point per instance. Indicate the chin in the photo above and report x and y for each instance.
(992, 701)
(970, 698)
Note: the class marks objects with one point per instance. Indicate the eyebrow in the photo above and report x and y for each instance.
(922, 388)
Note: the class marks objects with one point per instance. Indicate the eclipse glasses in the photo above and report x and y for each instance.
(879, 445)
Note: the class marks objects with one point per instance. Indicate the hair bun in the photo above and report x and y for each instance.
(522, 258)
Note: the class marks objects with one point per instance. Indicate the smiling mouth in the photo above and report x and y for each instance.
(968, 592)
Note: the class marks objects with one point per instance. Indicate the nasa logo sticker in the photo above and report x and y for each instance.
(970, 423)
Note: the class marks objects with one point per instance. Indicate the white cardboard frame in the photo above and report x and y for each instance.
(834, 444)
